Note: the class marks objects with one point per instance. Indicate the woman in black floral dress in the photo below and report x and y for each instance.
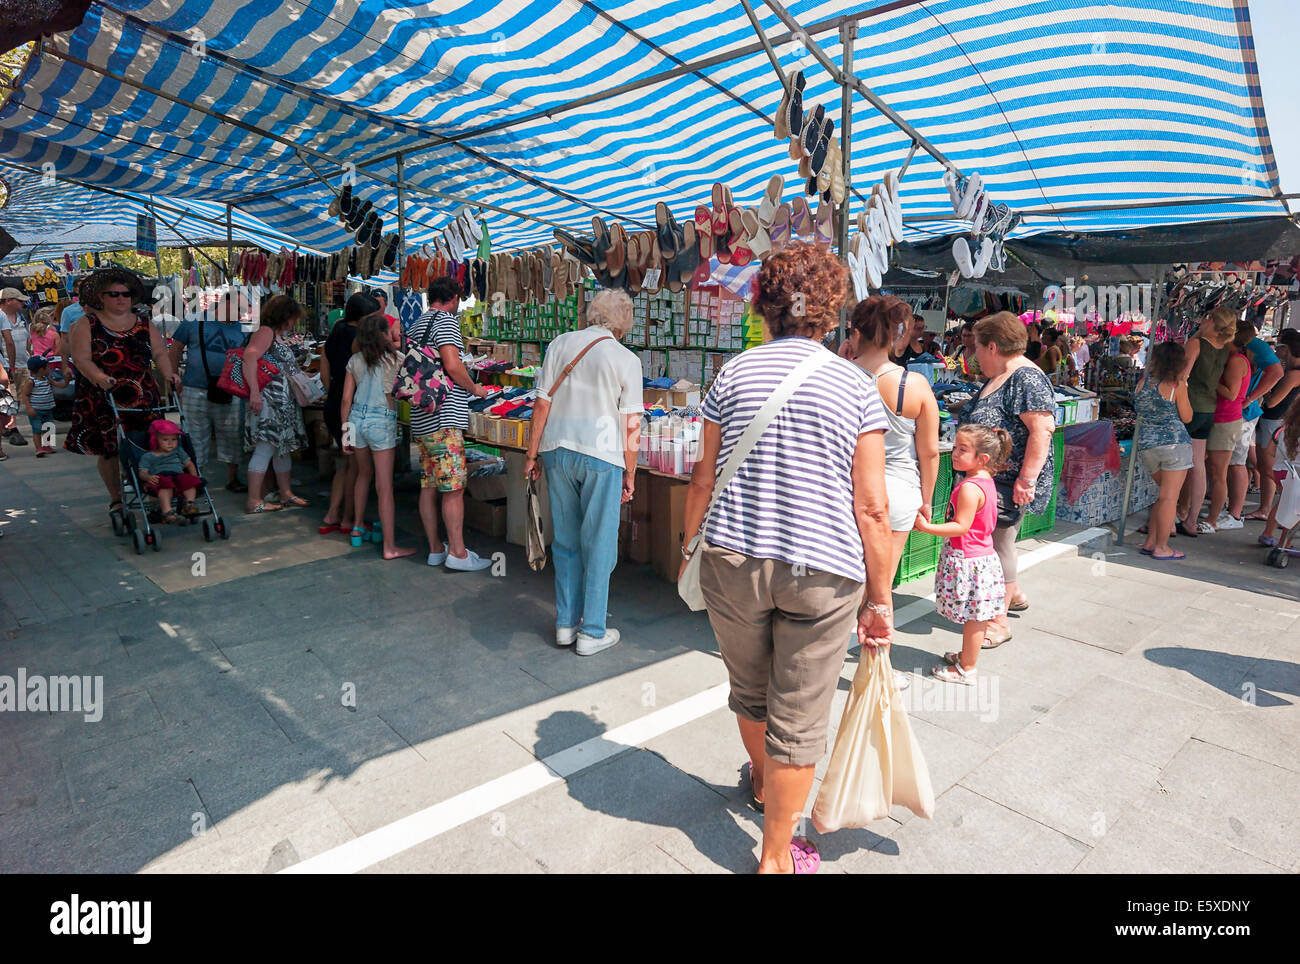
(1018, 398)
(114, 350)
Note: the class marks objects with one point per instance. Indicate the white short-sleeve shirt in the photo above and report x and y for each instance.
(588, 411)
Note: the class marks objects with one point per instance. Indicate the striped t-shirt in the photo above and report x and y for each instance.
(792, 499)
(42, 394)
(437, 328)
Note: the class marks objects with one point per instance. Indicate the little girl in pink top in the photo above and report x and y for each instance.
(968, 586)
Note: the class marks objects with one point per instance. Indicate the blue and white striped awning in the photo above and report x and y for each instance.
(1059, 104)
(49, 218)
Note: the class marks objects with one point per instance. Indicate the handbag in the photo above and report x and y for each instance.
(216, 395)
(876, 761)
(1008, 512)
(306, 390)
(688, 586)
(8, 404)
(232, 373)
(536, 542)
(421, 379)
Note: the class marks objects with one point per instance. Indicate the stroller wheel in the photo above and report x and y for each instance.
(1274, 557)
(118, 522)
(222, 529)
(155, 539)
(137, 539)
(209, 530)
(1283, 560)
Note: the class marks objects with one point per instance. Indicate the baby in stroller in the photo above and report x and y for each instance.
(165, 469)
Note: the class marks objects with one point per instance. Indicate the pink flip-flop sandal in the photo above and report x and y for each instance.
(806, 856)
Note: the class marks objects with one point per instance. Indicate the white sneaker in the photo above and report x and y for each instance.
(438, 558)
(471, 562)
(590, 645)
(564, 636)
(1226, 521)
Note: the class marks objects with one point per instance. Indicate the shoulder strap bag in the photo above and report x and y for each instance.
(688, 587)
(536, 543)
(421, 379)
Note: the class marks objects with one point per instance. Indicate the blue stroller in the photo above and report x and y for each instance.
(134, 516)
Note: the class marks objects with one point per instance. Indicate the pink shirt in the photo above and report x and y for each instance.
(1229, 409)
(45, 345)
(979, 540)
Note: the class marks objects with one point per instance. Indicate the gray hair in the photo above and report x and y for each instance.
(612, 309)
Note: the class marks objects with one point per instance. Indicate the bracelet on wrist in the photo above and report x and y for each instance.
(880, 609)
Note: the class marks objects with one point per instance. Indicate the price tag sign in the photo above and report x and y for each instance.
(146, 236)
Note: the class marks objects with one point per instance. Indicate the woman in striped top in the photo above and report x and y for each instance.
(786, 542)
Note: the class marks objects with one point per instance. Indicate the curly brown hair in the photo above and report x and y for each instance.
(877, 319)
(91, 288)
(800, 290)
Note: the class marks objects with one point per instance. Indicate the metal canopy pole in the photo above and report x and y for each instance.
(401, 209)
(230, 247)
(863, 89)
(1130, 206)
(848, 31)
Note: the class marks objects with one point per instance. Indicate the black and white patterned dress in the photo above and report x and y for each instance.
(1026, 390)
(280, 421)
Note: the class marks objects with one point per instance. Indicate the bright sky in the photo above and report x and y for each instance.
(1276, 27)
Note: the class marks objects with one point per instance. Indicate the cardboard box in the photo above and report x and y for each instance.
(635, 529)
(667, 525)
(487, 488)
(488, 518)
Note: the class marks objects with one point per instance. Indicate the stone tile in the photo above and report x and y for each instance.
(247, 790)
(1106, 627)
(721, 840)
(709, 750)
(1271, 735)
(481, 846)
(456, 766)
(1142, 843)
(1130, 719)
(651, 860)
(1065, 780)
(1213, 677)
(464, 699)
(970, 834)
(1043, 658)
(1273, 680)
(264, 849)
(990, 713)
(623, 805)
(1231, 798)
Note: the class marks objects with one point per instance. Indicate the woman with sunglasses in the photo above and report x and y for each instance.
(114, 350)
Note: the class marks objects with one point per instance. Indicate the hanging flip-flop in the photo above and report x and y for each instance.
(665, 231)
(962, 255)
(951, 182)
(779, 232)
(616, 255)
(813, 131)
(781, 121)
(704, 232)
(801, 218)
(857, 258)
(756, 237)
(824, 227)
(794, 104)
(771, 200)
(721, 214)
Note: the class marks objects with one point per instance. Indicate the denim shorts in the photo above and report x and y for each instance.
(1200, 425)
(373, 427)
(1167, 458)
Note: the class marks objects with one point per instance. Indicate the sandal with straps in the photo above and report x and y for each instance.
(953, 673)
(806, 856)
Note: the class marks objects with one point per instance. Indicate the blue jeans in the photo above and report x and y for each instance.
(39, 420)
(585, 497)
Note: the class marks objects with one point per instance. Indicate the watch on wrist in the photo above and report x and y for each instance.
(686, 554)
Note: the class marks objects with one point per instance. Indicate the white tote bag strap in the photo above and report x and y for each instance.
(758, 425)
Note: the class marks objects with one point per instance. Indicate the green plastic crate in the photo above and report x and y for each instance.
(1032, 525)
(921, 551)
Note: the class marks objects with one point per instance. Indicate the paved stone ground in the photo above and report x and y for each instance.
(1112, 734)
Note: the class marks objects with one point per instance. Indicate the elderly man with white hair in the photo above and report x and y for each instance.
(587, 427)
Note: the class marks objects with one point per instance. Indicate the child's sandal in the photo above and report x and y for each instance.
(953, 673)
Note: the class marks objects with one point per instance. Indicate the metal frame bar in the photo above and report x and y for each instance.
(842, 76)
(1135, 206)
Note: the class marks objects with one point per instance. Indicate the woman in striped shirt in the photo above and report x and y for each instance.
(793, 537)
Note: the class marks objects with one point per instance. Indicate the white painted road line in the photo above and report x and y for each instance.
(388, 841)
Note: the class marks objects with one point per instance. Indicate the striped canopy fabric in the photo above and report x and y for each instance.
(49, 218)
(540, 108)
